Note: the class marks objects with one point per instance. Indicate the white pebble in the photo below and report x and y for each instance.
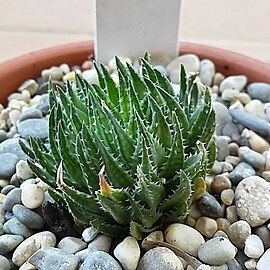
(23, 170)
(32, 196)
(236, 82)
(264, 261)
(89, 234)
(254, 246)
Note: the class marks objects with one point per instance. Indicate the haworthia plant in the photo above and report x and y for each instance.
(127, 157)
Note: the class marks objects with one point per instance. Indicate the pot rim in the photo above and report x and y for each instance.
(30, 65)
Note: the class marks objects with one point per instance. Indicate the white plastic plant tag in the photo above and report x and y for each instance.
(129, 28)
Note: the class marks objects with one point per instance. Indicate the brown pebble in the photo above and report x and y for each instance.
(223, 224)
(233, 160)
(231, 213)
(233, 149)
(207, 226)
(190, 221)
(227, 196)
(220, 183)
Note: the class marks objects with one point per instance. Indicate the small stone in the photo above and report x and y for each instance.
(160, 258)
(128, 253)
(30, 113)
(90, 75)
(50, 258)
(230, 95)
(37, 128)
(227, 196)
(264, 261)
(217, 251)
(194, 211)
(191, 63)
(190, 221)
(236, 105)
(9, 242)
(28, 266)
(14, 117)
(255, 159)
(220, 234)
(217, 168)
(153, 236)
(89, 234)
(30, 85)
(209, 206)
(223, 224)
(101, 243)
(12, 198)
(264, 235)
(238, 232)
(223, 117)
(252, 200)
(7, 165)
(71, 244)
(206, 226)
(258, 90)
(250, 264)
(241, 171)
(32, 244)
(255, 107)
(233, 149)
(254, 247)
(4, 262)
(5, 190)
(56, 73)
(218, 78)
(236, 82)
(14, 226)
(23, 170)
(231, 213)
(226, 167)
(43, 104)
(222, 148)
(233, 160)
(32, 196)
(12, 146)
(244, 98)
(207, 71)
(231, 130)
(28, 217)
(220, 183)
(257, 143)
(180, 235)
(234, 265)
(100, 260)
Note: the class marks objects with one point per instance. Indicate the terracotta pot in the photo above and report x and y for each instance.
(17, 70)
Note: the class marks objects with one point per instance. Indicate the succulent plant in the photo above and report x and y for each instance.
(127, 157)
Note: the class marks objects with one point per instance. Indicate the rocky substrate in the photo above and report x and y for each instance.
(227, 229)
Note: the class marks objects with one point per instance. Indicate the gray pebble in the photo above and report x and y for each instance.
(71, 244)
(241, 171)
(252, 122)
(258, 90)
(100, 260)
(223, 117)
(8, 163)
(4, 262)
(241, 258)
(43, 104)
(37, 128)
(209, 206)
(222, 147)
(14, 226)
(27, 217)
(30, 114)
(217, 251)
(160, 258)
(50, 258)
(101, 243)
(3, 135)
(9, 242)
(12, 146)
(255, 159)
(234, 265)
(217, 168)
(207, 71)
(5, 190)
(12, 198)
(264, 233)
(231, 130)
(89, 234)
(1, 228)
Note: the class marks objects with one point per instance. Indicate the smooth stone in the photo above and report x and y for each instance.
(30, 113)
(89, 234)
(259, 90)
(101, 243)
(128, 253)
(233, 149)
(43, 104)
(223, 116)
(153, 236)
(32, 244)
(27, 266)
(230, 95)
(4, 263)
(209, 206)
(71, 244)
(191, 63)
(12, 146)
(180, 235)
(222, 147)
(252, 200)
(30, 85)
(264, 261)
(236, 82)
(255, 159)
(100, 260)
(227, 196)
(32, 196)
(236, 105)
(90, 75)
(37, 128)
(244, 98)
(207, 71)
(241, 171)
(226, 167)
(231, 130)
(2, 216)
(14, 226)
(264, 233)
(8, 242)
(5, 190)
(160, 258)
(206, 226)
(49, 258)
(12, 198)
(238, 232)
(223, 224)
(23, 170)
(219, 267)
(241, 258)
(255, 107)
(233, 160)
(3, 135)
(221, 182)
(28, 217)
(257, 143)
(217, 251)
(14, 117)
(82, 254)
(231, 213)
(250, 264)
(254, 247)
(252, 122)
(217, 168)
(234, 265)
